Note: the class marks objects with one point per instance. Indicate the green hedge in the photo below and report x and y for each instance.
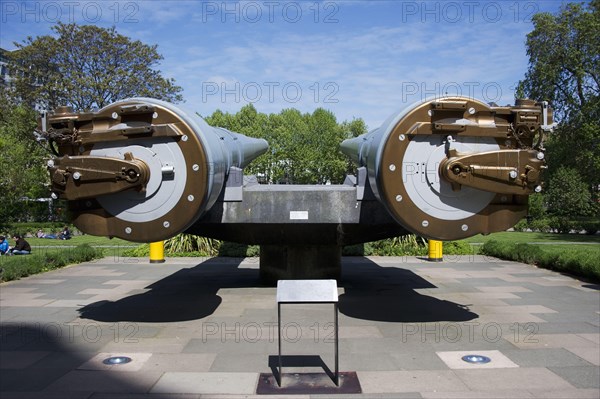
(573, 261)
(15, 267)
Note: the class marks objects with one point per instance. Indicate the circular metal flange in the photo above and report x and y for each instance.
(429, 205)
(162, 190)
(179, 170)
(434, 195)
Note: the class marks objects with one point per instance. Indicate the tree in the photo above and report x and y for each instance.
(87, 67)
(303, 148)
(564, 69)
(564, 59)
(24, 174)
(352, 129)
(568, 195)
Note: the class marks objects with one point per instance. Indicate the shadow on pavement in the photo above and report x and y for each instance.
(299, 361)
(377, 293)
(41, 361)
(372, 292)
(188, 294)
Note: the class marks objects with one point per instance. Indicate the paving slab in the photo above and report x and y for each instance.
(206, 328)
(46, 395)
(410, 381)
(454, 360)
(137, 361)
(179, 362)
(565, 393)
(515, 378)
(496, 394)
(14, 360)
(104, 381)
(211, 383)
(238, 363)
(591, 355)
(550, 357)
(579, 376)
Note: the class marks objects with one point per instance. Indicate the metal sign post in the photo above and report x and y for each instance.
(305, 292)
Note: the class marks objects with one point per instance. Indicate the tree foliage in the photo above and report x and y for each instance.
(564, 63)
(87, 67)
(568, 194)
(564, 69)
(22, 166)
(303, 148)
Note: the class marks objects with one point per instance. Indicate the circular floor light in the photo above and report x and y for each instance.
(476, 359)
(117, 360)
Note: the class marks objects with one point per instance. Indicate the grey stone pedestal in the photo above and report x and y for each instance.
(301, 229)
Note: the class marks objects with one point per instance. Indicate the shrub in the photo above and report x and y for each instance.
(186, 243)
(542, 225)
(142, 250)
(590, 227)
(457, 248)
(561, 224)
(15, 267)
(568, 194)
(537, 206)
(235, 250)
(526, 253)
(582, 263)
(408, 245)
(365, 249)
(523, 225)
(215, 248)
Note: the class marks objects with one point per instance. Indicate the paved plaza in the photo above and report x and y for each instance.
(197, 328)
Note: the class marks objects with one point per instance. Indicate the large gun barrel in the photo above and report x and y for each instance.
(445, 168)
(141, 169)
(452, 167)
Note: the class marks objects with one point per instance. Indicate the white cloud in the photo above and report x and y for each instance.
(365, 65)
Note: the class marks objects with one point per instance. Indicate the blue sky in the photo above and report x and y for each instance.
(364, 59)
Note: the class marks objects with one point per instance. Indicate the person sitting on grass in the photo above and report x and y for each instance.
(65, 234)
(21, 247)
(3, 245)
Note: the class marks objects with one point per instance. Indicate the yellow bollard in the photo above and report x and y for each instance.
(435, 251)
(157, 252)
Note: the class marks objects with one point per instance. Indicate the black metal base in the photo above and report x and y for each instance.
(289, 262)
(308, 383)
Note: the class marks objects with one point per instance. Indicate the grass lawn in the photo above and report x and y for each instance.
(111, 247)
(48, 254)
(82, 239)
(524, 237)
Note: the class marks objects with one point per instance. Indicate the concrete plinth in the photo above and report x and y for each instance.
(283, 262)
